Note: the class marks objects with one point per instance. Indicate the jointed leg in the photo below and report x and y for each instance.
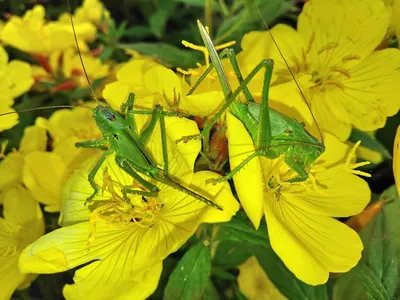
(152, 189)
(181, 188)
(93, 173)
(293, 164)
(96, 144)
(235, 170)
(240, 109)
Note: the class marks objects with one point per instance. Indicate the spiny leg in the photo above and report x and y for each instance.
(96, 144)
(292, 162)
(235, 170)
(127, 108)
(181, 188)
(249, 121)
(93, 173)
(152, 190)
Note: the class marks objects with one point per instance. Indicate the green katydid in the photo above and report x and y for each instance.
(120, 136)
(273, 133)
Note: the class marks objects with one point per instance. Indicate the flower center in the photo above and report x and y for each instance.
(124, 210)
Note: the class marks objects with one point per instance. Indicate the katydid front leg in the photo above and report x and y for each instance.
(93, 173)
(291, 161)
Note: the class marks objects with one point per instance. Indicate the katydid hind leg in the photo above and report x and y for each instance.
(152, 190)
(101, 144)
(177, 186)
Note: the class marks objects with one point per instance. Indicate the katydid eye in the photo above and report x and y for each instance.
(111, 117)
(115, 137)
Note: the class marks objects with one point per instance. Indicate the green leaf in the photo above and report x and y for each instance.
(372, 283)
(230, 254)
(169, 55)
(158, 20)
(376, 277)
(233, 28)
(244, 238)
(240, 229)
(190, 278)
(210, 293)
(369, 141)
(378, 271)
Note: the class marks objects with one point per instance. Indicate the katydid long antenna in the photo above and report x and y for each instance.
(80, 55)
(41, 108)
(291, 73)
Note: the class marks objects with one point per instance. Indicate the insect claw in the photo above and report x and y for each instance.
(212, 181)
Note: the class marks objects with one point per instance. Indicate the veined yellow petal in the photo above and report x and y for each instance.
(105, 284)
(310, 245)
(249, 180)
(340, 194)
(373, 89)
(333, 35)
(396, 160)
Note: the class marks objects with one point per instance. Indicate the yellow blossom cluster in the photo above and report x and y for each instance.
(339, 76)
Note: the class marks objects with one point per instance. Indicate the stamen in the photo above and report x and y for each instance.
(350, 166)
(341, 71)
(351, 57)
(328, 47)
(334, 82)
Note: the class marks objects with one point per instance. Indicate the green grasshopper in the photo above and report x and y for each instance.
(121, 137)
(273, 133)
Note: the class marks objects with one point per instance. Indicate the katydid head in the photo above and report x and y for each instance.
(108, 120)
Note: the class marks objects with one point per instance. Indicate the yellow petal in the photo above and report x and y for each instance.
(340, 194)
(310, 245)
(10, 120)
(396, 160)
(248, 181)
(370, 95)
(34, 139)
(22, 223)
(11, 170)
(18, 78)
(254, 282)
(332, 30)
(43, 176)
(203, 104)
(107, 285)
(116, 93)
(335, 151)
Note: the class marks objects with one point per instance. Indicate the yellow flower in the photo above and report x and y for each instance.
(155, 84)
(93, 11)
(15, 79)
(124, 241)
(300, 216)
(44, 173)
(32, 34)
(396, 160)
(72, 67)
(254, 282)
(21, 225)
(11, 167)
(347, 84)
